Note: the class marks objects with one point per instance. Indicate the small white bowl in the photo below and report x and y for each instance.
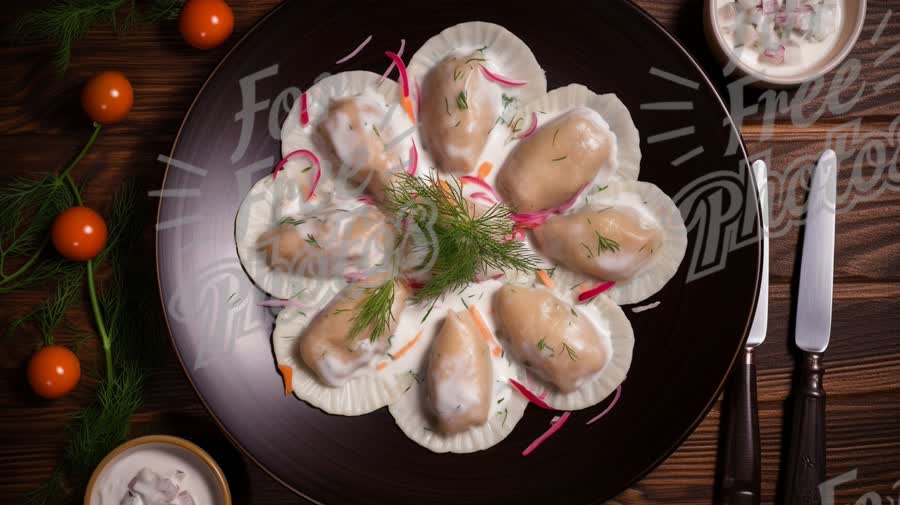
(854, 16)
(192, 455)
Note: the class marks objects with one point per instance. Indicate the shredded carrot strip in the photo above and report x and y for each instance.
(408, 107)
(381, 366)
(445, 186)
(403, 350)
(545, 279)
(485, 169)
(485, 331)
(288, 374)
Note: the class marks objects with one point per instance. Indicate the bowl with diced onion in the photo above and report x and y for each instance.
(782, 43)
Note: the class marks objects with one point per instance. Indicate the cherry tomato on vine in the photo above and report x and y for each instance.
(107, 97)
(53, 371)
(79, 233)
(205, 24)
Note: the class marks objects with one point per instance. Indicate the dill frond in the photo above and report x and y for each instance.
(374, 311)
(66, 21)
(459, 242)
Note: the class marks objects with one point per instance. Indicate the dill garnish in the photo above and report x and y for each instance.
(447, 105)
(599, 189)
(462, 102)
(541, 345)
(507, 100)
(375, 129)
(457, 123)
(605, 244)
(571, 352)
(66, 21)
(560, 158)
(554, 137)
(474, 59)
(374, 311)
(459, 244)
(588, 249)
(291, 220)
(311, 240)
(307, 169)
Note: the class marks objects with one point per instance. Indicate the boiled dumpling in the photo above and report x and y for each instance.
(609, 243)
(328, 245)
(327, 347)
(548, 336)
(459, 108)
(459, 375)
(548, 168)
(352, 128)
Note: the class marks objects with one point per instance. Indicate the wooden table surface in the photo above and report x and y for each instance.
(43, 127)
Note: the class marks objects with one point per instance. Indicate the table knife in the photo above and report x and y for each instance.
(806, 456)
(741, 467)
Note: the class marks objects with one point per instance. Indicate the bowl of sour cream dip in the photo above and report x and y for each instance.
(782, 43)
(158, 469)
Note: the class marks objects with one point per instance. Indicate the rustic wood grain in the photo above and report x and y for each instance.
(43, 127)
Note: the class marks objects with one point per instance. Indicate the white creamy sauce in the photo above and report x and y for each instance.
(413, 323)
(801, 51)
(159, 458)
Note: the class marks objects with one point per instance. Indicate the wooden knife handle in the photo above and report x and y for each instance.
(806, 458)
(740, 471)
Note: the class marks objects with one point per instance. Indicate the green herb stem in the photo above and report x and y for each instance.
(84, 151)
(98, 318)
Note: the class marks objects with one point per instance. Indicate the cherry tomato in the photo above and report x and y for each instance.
(53, 371)
(205, 24)
(107, 97)
(79, 233)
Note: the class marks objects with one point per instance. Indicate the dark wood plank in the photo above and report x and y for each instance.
(43, 127)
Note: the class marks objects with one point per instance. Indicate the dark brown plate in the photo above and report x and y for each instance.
(684, 348)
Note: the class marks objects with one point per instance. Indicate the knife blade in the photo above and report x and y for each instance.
(760, 319)
(813, 328)
(740, 481)
(805, 469)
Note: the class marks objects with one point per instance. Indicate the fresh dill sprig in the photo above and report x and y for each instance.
(462, 102)
(571, 352)
(459, 242)
(132, 316)
(605, 244)
(542, 344)
(374, 311)
(311, 240)
(291, 221)
(66, 21)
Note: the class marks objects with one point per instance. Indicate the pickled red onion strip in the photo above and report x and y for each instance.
(530, 219)
(569, 203)
(366, 199)
(391, 66)
(533, 398)
(404, 77)
(547, 434)
(482, 183)
(532, 128)
(413, 159)
(483, 197)
(506, 81)
(610, 407)
(355, 51)
(304, 110)
(596, 290)
(300, 152)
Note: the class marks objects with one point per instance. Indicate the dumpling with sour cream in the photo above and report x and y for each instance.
(353, 130)
(548, 336)
(459, 377)
(330, 244)
(459, 108)
(552, 165)
(327, 346)
(609, 243)
(631, 232)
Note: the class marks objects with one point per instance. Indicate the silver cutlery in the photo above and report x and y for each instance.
(806, 457)
(740, 484)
